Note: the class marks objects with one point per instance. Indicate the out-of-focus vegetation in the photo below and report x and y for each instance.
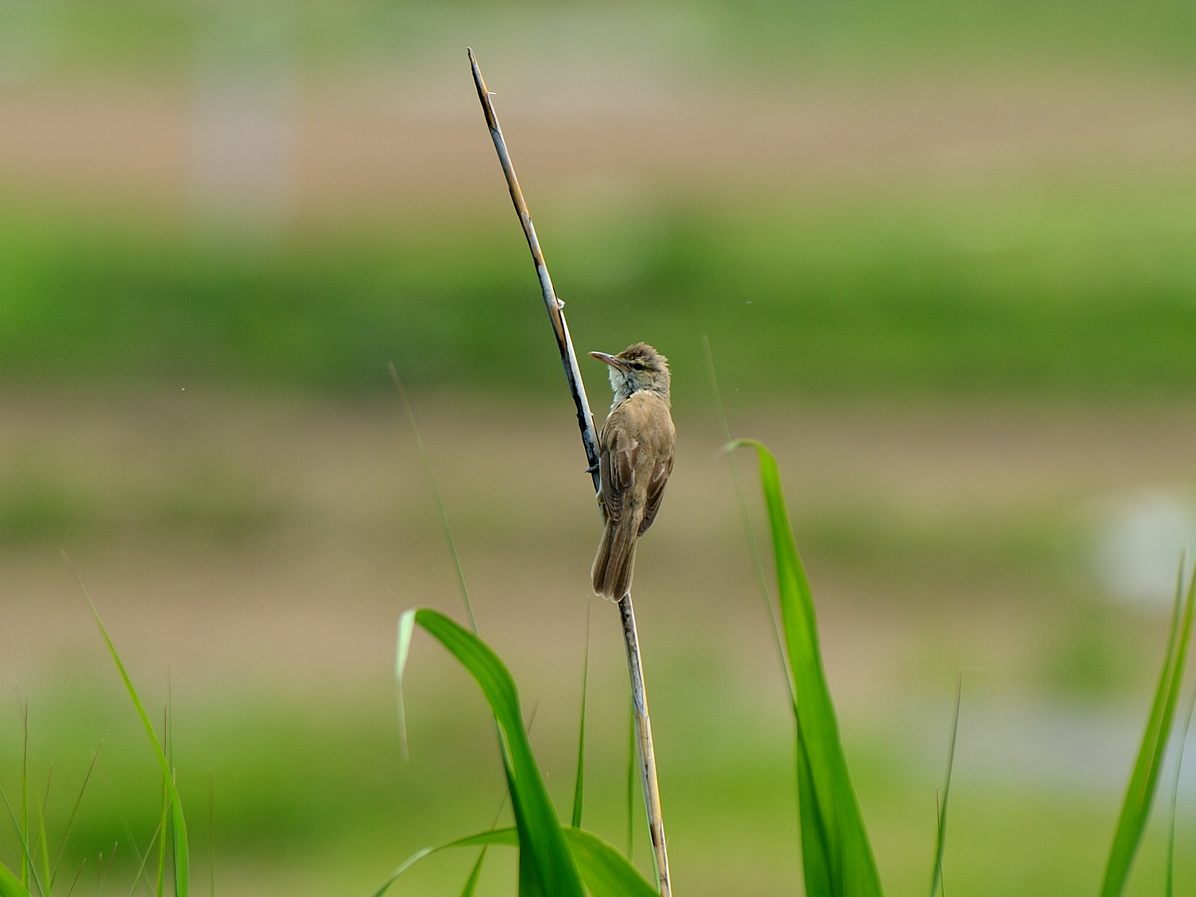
(1083, 291)
(944, 259)
(862, 35)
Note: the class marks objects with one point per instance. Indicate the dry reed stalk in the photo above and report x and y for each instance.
(589, 440)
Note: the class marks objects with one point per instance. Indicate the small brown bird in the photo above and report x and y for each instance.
(635, 457)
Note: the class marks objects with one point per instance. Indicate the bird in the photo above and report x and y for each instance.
(636, 447)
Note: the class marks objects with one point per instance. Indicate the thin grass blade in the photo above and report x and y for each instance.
(1144, 779)
(746, 518)
(178, 821)
(28, 868)
(43, 841)
(836, 839)
(471, 883)
(23, 825)
(1179, 768)
(70, 820)
(462, 587)
(940, 839)
(579, 782)
(546, 865)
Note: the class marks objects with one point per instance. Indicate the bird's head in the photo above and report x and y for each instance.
(637, 367)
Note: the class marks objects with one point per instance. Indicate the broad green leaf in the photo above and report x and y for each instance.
(815, 861)
(10, 885)
(836, 854)
(606, 872)
(546, 867)
(1145, 776)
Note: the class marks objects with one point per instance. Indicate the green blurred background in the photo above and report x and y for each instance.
(944, 258)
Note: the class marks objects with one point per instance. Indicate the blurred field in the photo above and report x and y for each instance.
(944, 262)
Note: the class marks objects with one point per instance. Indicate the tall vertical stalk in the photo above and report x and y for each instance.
(589, 441)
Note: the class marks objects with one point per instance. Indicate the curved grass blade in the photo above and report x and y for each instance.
(606, 872)
(836, 853)
(182, 865)
(1145, 776)
(546, 867)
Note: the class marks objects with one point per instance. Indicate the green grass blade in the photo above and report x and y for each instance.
(28, 868)
(70, 820)
(10, 885)
(1179, 768)
(579, 783)
(1145, 776)
(44, 841)
(471, 883)
(160, 880)
(23, 825)
(178, 822)
(940, 839)
(840, 842)
(746, 518)
(546, 865)
(816, 871)
(440, 509)
(606, 872)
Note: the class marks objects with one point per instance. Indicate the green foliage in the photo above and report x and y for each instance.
(1149, 764)
(836, 853)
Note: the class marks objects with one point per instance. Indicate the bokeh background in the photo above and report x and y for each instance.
(944, 257)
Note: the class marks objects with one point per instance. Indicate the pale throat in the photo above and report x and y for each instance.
(623, 385)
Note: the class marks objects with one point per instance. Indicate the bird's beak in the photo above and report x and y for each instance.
(614, 362)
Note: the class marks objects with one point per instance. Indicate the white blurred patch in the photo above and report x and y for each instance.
(1138, 544)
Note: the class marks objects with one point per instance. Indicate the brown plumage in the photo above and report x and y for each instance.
(635, 457)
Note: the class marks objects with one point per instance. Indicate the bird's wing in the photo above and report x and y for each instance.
(660, 476)
(616, 466)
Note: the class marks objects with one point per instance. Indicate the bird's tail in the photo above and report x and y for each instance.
(615, 561)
